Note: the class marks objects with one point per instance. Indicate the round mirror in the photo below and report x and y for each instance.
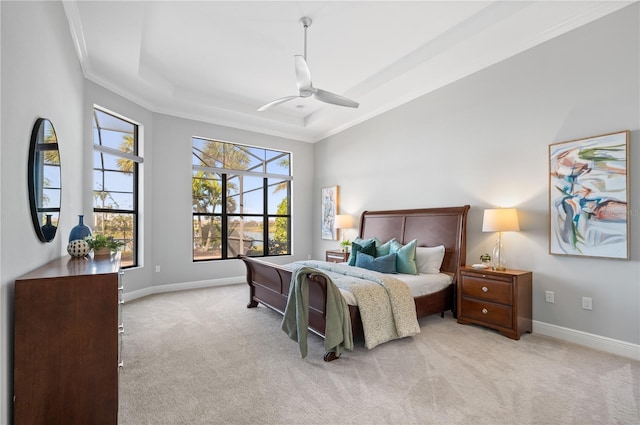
(45, 183)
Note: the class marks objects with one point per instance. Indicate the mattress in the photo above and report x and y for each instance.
(419, 285)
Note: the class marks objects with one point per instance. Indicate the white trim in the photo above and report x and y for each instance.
(602, 343)
(174, 287)
(77, 34)
(241, 172)
(118, 152)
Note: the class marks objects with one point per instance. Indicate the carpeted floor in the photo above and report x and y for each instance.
(202, 357)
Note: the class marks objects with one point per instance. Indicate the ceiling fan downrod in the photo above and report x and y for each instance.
(306, 23)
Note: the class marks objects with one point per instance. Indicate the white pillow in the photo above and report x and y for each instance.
(429, 259)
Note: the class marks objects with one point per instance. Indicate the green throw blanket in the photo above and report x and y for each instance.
(387, 308)
(338, 334)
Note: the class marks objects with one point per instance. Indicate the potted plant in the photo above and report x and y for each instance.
(486, 259)
(103, 245)
(345, 245)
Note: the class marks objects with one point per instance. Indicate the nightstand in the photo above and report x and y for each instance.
(337, 256)
(500, 300)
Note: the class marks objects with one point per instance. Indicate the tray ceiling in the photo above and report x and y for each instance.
(219, 62)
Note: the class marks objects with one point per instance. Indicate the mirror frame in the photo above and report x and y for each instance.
(35, 164)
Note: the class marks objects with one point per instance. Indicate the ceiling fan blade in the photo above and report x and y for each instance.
(303, 74)
(277, 102)
(328, 97)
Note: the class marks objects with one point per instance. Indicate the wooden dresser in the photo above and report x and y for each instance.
(499, 300)
(67, 342)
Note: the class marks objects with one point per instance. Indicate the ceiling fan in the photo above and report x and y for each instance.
(303, 78)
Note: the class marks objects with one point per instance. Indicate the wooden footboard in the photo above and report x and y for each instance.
(269, 285)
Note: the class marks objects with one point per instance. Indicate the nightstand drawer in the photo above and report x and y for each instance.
(487, 275)
(495, 314)
(489, 290)
(336, 256)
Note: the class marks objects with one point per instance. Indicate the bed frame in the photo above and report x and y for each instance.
(269, 283)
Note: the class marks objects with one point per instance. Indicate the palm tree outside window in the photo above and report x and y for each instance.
(240, 200)
(115, 181)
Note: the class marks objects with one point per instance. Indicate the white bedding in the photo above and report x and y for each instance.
(420, 284)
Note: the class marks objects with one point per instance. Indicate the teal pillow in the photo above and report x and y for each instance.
(384, 264)
(368, 247)
(361, 241)
(382, 250)
(406, 256)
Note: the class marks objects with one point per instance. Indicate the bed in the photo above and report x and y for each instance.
(269, 283)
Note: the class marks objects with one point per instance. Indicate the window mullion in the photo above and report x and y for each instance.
(225, 219)
(265, 216)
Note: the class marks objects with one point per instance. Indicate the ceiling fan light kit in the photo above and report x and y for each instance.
(303, 80)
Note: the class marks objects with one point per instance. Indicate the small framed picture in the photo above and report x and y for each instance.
(329, 210)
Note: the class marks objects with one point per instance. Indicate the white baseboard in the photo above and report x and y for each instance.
(602, 343)
(173, 287)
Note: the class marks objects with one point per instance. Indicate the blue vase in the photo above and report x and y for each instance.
(49, 230)
(80, 231)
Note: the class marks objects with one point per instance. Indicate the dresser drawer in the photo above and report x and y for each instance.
(487, 289)
(487, 312)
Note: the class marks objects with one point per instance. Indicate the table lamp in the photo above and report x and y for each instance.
(343, 221)
(500, 220)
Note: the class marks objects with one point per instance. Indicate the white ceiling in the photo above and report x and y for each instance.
(220, 61)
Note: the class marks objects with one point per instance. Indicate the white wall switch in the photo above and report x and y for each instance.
(587, 303)
(157, 269)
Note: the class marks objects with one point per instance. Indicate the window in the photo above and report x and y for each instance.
(115, 181)
(241, 200)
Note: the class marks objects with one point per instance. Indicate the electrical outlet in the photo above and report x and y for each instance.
(309, 257)
(549, 296)
(157, 269)
(587, 303)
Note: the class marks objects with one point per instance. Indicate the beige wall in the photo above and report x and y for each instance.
(484, 141)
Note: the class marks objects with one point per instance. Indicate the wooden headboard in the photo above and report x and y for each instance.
(430, 226)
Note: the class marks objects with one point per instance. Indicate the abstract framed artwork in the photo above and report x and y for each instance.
(329, 211)
(589, 197)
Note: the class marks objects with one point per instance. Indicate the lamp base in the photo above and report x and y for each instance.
(498, 255)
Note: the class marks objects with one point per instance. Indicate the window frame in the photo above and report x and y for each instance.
(136, 159)
(224, 216)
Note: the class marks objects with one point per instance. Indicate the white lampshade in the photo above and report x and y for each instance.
(500, 220)
(343, 221)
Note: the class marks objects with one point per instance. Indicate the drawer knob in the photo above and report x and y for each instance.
(485, 311)
(485, 289)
